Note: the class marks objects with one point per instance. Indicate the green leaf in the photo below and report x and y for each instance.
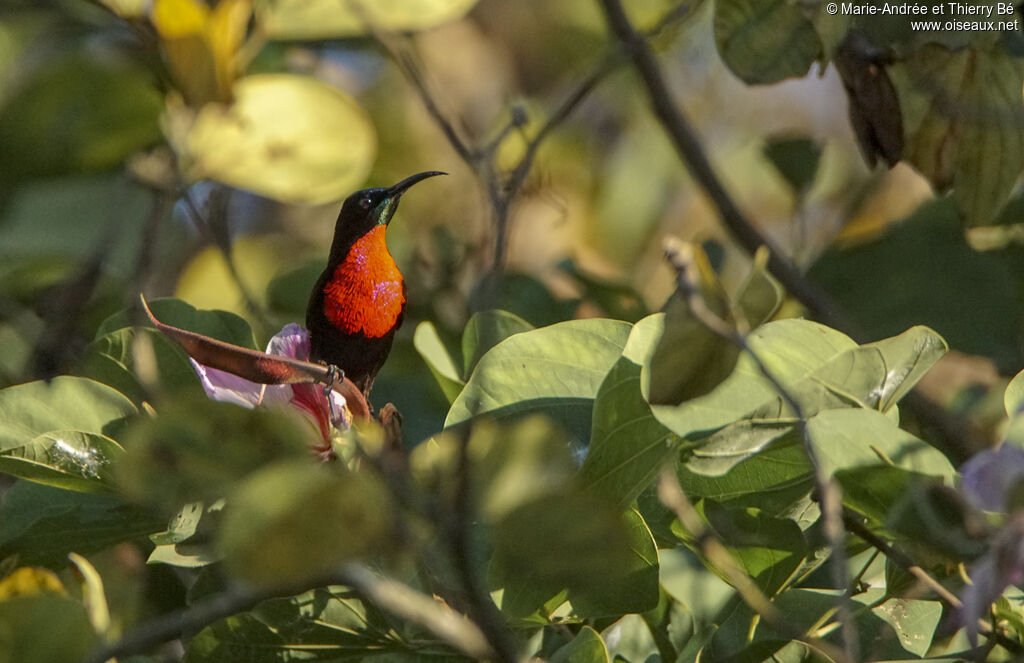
(555, 370)
(320, 154)
(907, 358)
(929, 275)
(913, 621)
(42, 524)
(729, 446)
(221, 325)
(430, 346)
(764, 41)
(45, 628)
(574, 542)
(77, 114)
(586, 647)
(511, 464)
(94, 598)
(848, 439)
(197, 449)
(293, 521)
(174, 546)
(796, 158)
(56, 433)
(627, 445)
(963, 121)
(791, 349)
(760, 295)
(321, 19)
(1013, 398)
(485, 330)
(68, 459)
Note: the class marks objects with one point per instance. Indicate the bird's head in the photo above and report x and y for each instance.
(365, 209)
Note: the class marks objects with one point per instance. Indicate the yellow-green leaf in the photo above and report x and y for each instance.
(316, 19)
(286, 137)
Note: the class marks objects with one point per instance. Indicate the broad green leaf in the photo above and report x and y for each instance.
(554, 370)
(586, 647)
(627, 444)
(78, 114)
(320, 154)
(45, 628)
(511, 464)
(574, 542)
(320, 19)
(907, 358)
(430, 346)
(56, 432)
(42, 524)
(921, 271)
(294, 520)
(963, 121)
(485, 330)
(760, 295)
(770, 550)
(791, 349)
(690, 359)
(765, 41)
(630, 587)
(196, 449)
(913, 621)
(222, 325)
(68, 459)
(721, 451)
(773, 480)
(1013, 398)
(847, 439)
(174, 546)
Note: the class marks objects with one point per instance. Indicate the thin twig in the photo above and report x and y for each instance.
(680, 256)
(386, 594)
(714, 551)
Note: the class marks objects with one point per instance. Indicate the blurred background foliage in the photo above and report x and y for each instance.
(109, 111)
(200, 152)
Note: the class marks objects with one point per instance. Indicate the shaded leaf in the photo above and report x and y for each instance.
(42, 524)
(963, 117)
(294, 520)
(69, 459)
(1013, 398)
(586, 647)
(764, 41)
(28, 633)
(796, 158)
(627, 446)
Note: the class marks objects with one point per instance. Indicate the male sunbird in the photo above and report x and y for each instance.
(359, 301)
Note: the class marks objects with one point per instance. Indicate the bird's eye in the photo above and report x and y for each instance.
(365, 202)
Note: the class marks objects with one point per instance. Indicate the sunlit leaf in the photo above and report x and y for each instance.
(627, 446)
(432, 349)
(320, 154)
(69, 459)
(485, 330)
(554, 370)
(93, 596)
(318, 19)
(56, 432)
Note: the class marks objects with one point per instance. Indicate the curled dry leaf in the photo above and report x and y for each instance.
(257, 366)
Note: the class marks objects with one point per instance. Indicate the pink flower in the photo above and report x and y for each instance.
(324, 411)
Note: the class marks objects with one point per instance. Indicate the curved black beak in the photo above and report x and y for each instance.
(400, 188)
